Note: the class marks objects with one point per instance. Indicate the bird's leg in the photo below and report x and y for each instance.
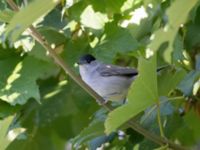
(99, 102)
(124, 101)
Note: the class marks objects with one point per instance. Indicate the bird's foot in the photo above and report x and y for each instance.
(102, 103)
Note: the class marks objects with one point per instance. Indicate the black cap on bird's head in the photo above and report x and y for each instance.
(86, 59)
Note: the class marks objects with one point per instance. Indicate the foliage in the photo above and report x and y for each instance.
(42, 108)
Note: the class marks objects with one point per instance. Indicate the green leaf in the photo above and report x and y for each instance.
(142, 94)
(149, 119)
(54, 38)
(7, 110)
(6, 15)
(168, 81)
(73, 49)
(101, 140)
(18, 83)
(116, 40)
(178, 49)
(6, 53)
(92, 19)
(177, 15)
(195, 16)
(92, 131)
(192, 36)
(114, 6)
(61, 116)
(128, 4)
(26, 16)
(109, 7)
(4, 126)
(186, 85)
(40, 140)
(197, 65)
(54, 20)
(177, 129)
(192, 121)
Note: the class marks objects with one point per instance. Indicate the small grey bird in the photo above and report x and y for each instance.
(109, 81)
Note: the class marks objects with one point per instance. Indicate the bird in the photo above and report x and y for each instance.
(111, 82)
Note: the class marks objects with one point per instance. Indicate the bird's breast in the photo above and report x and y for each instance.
(109, 87)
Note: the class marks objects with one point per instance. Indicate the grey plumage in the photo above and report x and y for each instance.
(110, 81)
(112, 70)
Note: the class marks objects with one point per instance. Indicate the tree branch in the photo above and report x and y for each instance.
(60, 62)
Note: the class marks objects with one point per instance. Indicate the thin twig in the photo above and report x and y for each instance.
(59, 61)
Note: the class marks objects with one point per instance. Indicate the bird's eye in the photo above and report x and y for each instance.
(88, 61)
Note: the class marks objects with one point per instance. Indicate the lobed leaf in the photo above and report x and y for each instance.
(25, 17)
(62, 115)
(177, 15)
(117, 40)
(18, 83)
(169, 81)
(142, 94)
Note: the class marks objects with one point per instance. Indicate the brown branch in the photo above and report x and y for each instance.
(60, 62)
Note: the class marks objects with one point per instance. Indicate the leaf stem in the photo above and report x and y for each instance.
(60, 62)
(162, 102)
(159, 120)
(176, 98)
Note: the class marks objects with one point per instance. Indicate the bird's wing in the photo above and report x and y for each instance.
(112, 70)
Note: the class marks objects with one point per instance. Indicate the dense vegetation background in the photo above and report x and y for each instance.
(42, 108)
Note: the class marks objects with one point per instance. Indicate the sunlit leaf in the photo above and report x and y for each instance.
(18, 83)
(4, 126)
(21, 21)
(67, 116)
(6, 15)
(116, 40)
(109, 7)
(61, 116)
(177, 15)
(143, 93)
(94, 20)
